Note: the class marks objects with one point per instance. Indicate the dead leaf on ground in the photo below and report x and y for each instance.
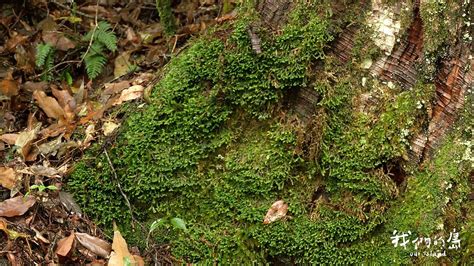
(94, 244)
(113, 88)
(16, 206)
(33, 86)
(122, 64)
(58, 40)
(9, 138)
(25, 139)
(40, 170)
(277, 211)
(12, 235)
(8, 86)
(49, 105)
(129, 94)
(8, 177)
(120, 250)
(65, 245)
(15, 40)
(70, 204)
(109, 127)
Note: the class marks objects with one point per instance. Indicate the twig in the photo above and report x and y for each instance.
(56, 66)
(93, 32)
(118, 183)
(70, 9)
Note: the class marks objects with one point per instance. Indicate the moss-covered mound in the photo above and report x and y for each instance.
(216, 149)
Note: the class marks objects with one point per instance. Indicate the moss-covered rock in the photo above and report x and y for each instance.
(215, 148)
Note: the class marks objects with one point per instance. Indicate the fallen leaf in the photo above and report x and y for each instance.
(9, 138)
(139, 260)
(65, 245)
(25, 137)
(109, 128)
(51, 146)
(14, 41)
(9, 87)
(16, 206)
(65, 99)
(12, 235)
(70, 204)
(120, 251)
(8, 177)
(33, 86)
(90, 130)
(40, 236)
(132, 93)
(49, 105)
(122, 64)
(277, 211)
(94, 244)
(58, 40)
(113, 88)
(41, 170)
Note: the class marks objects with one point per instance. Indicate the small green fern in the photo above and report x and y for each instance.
(101, 38)
(45, 59)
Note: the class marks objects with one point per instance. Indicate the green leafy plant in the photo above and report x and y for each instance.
(175, 222)
(100, 38)
(40, 188)
(45, 59)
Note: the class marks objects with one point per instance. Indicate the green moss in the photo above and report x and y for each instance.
(214, 149)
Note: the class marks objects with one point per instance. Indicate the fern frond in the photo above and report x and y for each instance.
(94, 64)
(109, 40)
(48, 65)
(43, 50)
(103, 34)
(96, 49)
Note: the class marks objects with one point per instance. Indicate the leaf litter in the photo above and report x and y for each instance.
(50, 116)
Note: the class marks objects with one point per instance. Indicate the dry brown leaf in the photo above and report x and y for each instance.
(64, 98)
(14, 41)
(113, 88)
(109, 127)
(120, 250)
(9, 87)
(94, 244)
(65, 245)
(277, 211)
(24, 140)
(139, 260)
(58, 40)
(8, 177)
(33, 86)
(16, 206)
(9, 138)
(132, 93)
(25, 137)
(51, 147)
(41, 170)
(10, 233)
(122, 64)
(70, 204)
(49, 105)
(90, 131)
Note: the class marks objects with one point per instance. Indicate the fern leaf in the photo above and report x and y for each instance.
(109, 40)
(94, 64)
(43, 50)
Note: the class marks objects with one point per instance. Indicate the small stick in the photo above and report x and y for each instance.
(118, 183)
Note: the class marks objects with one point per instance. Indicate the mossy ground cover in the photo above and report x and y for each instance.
(214, 149)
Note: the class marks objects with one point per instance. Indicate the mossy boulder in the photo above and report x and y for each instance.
(216, 147)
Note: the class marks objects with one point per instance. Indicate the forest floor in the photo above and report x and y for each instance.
(51, 112)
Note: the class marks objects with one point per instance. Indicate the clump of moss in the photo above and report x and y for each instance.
(213, 149)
